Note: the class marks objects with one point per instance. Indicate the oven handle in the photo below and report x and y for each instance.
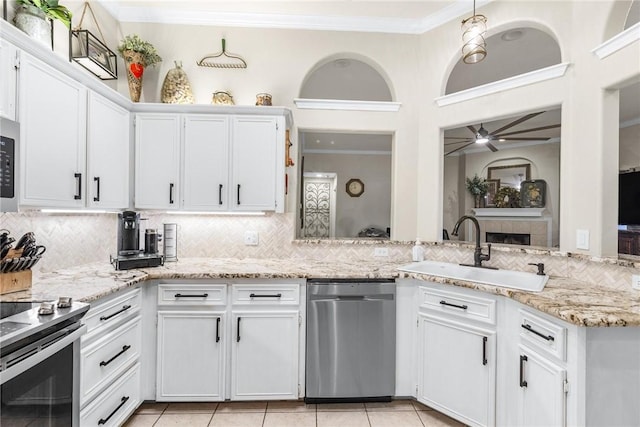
(45, 353)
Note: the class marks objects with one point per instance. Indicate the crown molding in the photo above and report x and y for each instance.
(618, 42)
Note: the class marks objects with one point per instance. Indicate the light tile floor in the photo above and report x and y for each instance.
(398, 413)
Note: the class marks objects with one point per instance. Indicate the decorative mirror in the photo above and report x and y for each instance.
(510, 175)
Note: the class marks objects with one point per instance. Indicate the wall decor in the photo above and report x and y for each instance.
(355, 187)
(510, 175)
(533, 193)
(222, 59)
(137, 55)
(176, 88)
(90, 52)
(492, 189)
(507, 197)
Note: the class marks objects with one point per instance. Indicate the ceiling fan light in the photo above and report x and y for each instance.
(482, 140)
(474, 46)
(482, 136)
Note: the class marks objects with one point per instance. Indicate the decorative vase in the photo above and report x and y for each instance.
(176, 88)
(35, 23)
(477, 201)
(134, 62)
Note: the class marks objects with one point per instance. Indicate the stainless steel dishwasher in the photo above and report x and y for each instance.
(351, 340)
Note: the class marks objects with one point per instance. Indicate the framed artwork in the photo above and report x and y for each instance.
(532, 193)
(494, 185)
(510, 175)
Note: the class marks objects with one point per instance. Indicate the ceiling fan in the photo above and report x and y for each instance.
(484, 137)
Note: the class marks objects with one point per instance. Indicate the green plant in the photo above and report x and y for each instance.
(52, 9)
(477, 186)
(134, 43)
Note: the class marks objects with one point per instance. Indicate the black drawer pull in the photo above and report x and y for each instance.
(191, 295)
(124, 308)
(122, 402)
(218, 329)
(523, 359)
(238, 330)
(278, 295)
(220, 194)
(484, 350)
(78, 196)
(461, 307)
(530, 329)
(96, 179)
(124, 349)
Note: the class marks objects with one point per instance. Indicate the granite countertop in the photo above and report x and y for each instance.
(576, 302)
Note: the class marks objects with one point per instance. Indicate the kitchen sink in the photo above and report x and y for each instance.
(504, 278)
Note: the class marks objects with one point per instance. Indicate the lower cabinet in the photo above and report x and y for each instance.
(191, 356)
(457, 370)
(264, 358)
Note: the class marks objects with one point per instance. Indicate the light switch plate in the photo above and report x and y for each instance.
(381, 252)
(251, 238)
(635, 281)
(582, 239)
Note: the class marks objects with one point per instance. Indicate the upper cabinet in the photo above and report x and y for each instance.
(53, 131)
(8, 71)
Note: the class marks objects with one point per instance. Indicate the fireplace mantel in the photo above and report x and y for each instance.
(510, 212)
(536, 222)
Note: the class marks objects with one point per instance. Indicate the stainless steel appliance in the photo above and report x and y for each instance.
(9, 165)
(129, 254)
(351, 336)
(170, 245)
(40, 362)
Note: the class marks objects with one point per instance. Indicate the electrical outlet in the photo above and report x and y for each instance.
(635, 281)
(381, 252)
(582, 239)
(251, 238)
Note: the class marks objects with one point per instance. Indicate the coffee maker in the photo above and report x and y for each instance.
(129, 254)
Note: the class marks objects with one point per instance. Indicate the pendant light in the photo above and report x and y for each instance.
(474, 47)
(482, 136)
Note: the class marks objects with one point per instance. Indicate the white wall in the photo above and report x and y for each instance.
(630, 147)
(373, 207)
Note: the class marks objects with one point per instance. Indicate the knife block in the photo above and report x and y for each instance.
(15, 282)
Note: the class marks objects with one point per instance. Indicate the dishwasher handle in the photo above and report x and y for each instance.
(380, 297)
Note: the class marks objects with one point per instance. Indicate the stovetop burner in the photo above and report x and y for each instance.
(9, 308)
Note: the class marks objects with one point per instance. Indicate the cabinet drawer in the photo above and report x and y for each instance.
(104, 360)
(459, 305)
(271, 294)
(544, 335)
(117, 402)
(111, 313)
(180, 295)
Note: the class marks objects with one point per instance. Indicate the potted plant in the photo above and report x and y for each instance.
(34, 16)
(137, 55)
(478, 187)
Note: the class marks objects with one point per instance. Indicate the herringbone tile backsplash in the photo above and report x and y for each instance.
(79, 239)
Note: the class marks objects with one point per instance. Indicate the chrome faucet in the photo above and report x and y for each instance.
(478, 256)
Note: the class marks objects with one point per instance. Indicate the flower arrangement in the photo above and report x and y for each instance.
(51, 8)
(507, 197)
(477, 186)
(146, 50)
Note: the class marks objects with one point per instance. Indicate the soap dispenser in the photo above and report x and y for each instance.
(418, 251)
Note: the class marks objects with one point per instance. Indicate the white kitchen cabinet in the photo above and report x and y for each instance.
(206, 163)
(53, 135)
(254, 162)
(542, 397)
(8, 83)
(157, 165)
(457, 368)
(191, 356)
(264, 357)
(108, 153)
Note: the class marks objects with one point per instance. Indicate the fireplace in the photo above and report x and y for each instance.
(509, 238)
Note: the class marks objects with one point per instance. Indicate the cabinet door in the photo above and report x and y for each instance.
(9, 81)
(206, 163)
(541, 398)
(53, 135)
(457, 370)
(157, 161)
(190, 364)
(108, 153)
(264, 357)
(253, 164)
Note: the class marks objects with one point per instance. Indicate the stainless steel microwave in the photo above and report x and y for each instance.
(9, 165)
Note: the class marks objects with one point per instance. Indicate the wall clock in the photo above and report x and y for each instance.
(355, 187)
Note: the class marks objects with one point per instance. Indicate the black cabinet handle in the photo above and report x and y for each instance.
(220, 194)
(170, 193)
(238, 198)
(461, 307)
(238, 331)
(122, 402)
(96, 179)
(484, 350)
(124, 308)
(191, 296)
(523, 359)
(278, 295)
(218, 329)
(530, 329)
(124, 349)
(78, 195)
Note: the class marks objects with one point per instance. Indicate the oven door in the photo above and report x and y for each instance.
(41, 386)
